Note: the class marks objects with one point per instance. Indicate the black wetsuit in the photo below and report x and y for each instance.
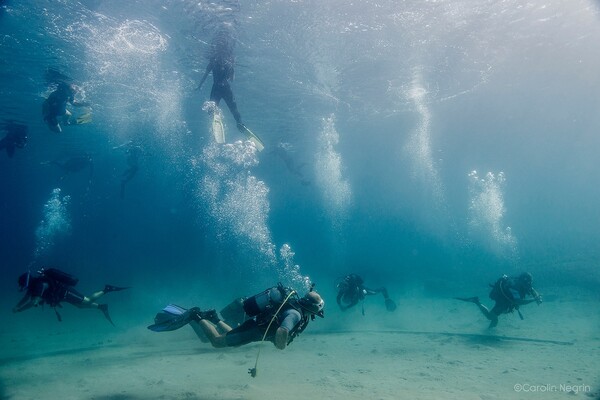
(509, 293)
(56, 104)
(53, 292)
(291, 316)
(222, 70)
(16, 137)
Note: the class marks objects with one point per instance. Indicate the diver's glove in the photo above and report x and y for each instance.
(538, 300)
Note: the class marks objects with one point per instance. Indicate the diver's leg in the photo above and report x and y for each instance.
(66, 118)
(229, 99)
(215, 95)
(492, 314)
(216, 339)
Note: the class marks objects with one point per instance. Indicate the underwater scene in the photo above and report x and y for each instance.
(292, 199)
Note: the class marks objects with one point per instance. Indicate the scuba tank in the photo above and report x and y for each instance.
(265, 300)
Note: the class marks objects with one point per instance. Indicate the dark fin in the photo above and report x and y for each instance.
(111, 288)
(390, 305)
(104, 309)
(469, 299)
(166, 320)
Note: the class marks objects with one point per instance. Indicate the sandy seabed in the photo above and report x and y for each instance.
(427, 349)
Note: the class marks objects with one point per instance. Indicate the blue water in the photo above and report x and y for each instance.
(421, 144)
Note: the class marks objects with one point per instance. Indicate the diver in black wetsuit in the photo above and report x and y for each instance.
(220, 63)
(55, 107)
(509, 293)
(16, 137)
(351, 290)
(277, 315)
(283, 151)
(52, 286)
(133, 153)
(75, 164)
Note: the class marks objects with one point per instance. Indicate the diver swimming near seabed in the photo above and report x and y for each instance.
(277, 315)
(15, 138)
(510, 294)
(52, 286)
(351, 290)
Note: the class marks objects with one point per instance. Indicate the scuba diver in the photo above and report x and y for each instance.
(133, 153)
(55, 106)
(52, 286)
(509, 293)
(276, 315)
(283, 151)
(16, 137)
(351, 290)
(74, 164)
(220, 63)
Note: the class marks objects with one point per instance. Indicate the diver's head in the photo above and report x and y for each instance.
(66, 88)
(526, 279)
(313, 303)
(24, 281)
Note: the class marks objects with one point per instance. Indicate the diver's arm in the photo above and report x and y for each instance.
(209, 68)
(536, 296)
(123, 145)
(25, 303)
(338, 299)
(81, 103)
(382, 290)
(281, 338)
(292, 318)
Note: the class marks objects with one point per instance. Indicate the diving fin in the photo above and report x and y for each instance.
(260, 146)
(104, 309)
(390, 305)
(218, 130)
(111, 288)
(173, 317)
(84, 118)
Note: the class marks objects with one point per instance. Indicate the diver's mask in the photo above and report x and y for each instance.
(313, 303)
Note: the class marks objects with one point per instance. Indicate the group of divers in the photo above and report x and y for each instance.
(58, 111)
(278, 314)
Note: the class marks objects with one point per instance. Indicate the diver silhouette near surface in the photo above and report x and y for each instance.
(221, 62)
(54, 108)
(15, 138)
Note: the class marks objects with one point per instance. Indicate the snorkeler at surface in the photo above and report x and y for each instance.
(509, 293)
(54, 108)
(220, 63)
(52, 286)
(277, 315)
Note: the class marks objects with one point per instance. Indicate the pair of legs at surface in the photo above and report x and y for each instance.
(224, 92)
